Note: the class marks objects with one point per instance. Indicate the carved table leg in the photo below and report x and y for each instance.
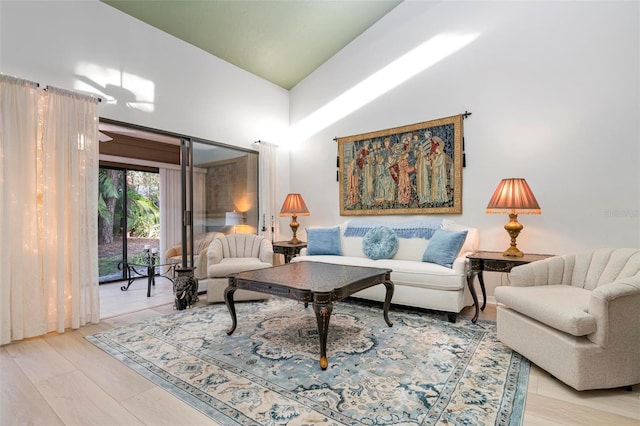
(472, 289)
(228, 300)
(323, 314)
(484, 292)
(387, 301)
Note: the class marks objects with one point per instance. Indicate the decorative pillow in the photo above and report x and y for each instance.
(380, 242)
(323, 241)
(444, 246)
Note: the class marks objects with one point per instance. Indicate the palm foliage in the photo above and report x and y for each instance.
(143, 213)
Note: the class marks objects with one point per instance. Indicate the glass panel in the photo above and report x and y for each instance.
(225, 182)
(110, 224)
(143, 213)
(137, 193)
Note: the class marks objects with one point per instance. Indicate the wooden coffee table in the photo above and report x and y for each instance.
(311, 282)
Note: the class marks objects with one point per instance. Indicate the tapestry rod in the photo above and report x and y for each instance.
(466, 114)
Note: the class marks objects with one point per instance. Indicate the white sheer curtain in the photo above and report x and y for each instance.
(267, 183)
(170, 211)
(48, 210)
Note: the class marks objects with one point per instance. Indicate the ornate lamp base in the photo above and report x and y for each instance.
(294, 227)
(513, 228)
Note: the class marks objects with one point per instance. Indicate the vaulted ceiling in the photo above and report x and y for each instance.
(282, 41)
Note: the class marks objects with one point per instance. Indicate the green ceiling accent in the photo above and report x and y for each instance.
(281, 41)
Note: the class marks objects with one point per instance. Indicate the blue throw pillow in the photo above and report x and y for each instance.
(380, 242)
(323, 241)
(444, 246)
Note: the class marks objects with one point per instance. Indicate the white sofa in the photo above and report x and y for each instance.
(576, 316)
(417, 283)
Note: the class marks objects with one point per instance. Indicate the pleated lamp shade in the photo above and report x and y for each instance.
(294, 206)
(513, 196)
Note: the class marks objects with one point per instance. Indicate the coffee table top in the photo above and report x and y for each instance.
(313, 276)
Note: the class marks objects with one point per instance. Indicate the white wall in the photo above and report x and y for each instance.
(155, 80)
(555, 95)
(553, 87)
(145, 76)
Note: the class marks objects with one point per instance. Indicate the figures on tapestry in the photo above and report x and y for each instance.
(407, 170)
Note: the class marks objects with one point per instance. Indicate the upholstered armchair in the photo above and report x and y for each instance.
(200, 247)
(230, 254)
(576, 316)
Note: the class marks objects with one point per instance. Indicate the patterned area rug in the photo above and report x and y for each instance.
(422, 371)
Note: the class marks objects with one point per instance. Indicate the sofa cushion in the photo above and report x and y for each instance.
(562, 307)
(323, 241)
(444, 246)
(380, 242)
(233, 265)
(407, 272)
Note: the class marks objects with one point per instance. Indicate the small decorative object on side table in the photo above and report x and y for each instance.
(288, 249)
(493, 261)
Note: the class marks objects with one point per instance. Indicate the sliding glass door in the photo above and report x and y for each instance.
(128, 218)
(195, 184)
(225, 190)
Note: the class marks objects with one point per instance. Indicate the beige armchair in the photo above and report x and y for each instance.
(200, 248)
(230, 254)
(576, 316)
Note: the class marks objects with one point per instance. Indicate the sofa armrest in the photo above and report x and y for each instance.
(461, 264)
(524, 275)
(550, 271)
(214, 252)
(173, 252)
(616, 309)
(201, 264)
(266, 251)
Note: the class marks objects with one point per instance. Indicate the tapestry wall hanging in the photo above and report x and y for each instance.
(413, 169)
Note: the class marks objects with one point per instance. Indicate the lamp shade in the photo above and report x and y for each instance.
(233, 218)
(294, 206)
(513, 196)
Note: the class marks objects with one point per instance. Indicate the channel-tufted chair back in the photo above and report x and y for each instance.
(587, 270)
(241, 245)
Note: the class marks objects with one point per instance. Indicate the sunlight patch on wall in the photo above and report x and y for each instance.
(402, 69)
(117, 87)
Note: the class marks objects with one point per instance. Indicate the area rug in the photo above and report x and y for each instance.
(422, 371)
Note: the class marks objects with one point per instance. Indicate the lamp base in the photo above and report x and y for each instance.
(513, 227)
(512, 252)
(294, 227)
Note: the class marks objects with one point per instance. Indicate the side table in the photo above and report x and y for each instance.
(493, 261)
(289, 250)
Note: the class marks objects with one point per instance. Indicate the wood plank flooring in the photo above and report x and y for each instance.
(61, 379)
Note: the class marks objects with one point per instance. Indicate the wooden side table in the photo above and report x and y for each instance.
(289, 250)
(493, 261)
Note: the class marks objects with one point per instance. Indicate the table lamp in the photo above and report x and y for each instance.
(233, 219)
(513, 196)
(294, 206)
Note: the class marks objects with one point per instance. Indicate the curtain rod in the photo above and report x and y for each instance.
(19, 80)
(36, 84)
(72, 93)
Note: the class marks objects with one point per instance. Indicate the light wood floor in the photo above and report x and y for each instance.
(61, 379)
